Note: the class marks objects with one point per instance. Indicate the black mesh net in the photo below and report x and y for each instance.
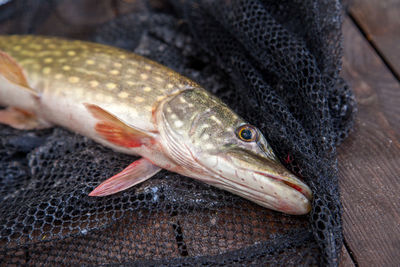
(276, 63)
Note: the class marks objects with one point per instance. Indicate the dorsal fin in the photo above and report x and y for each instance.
(117, 132)
(10, 70)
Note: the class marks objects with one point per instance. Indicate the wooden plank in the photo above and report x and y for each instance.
(369, 160)
(149, 236)
(233, 228)
(345, 259)
(371, 72)
(83, 17)
(380, 20)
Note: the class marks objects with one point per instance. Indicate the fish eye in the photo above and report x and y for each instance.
(247, 133)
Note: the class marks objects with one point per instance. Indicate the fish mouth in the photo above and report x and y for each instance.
(264, 181)
(293, 182)
(292, 197)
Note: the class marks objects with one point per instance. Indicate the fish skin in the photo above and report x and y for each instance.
(93, 73)
(139, 107)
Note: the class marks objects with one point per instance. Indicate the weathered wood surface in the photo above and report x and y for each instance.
(369, 160)
(380, 20)
(345, 259)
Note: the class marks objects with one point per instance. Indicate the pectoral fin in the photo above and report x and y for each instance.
(134, 174)
(21, 119)
(16, 87)
(10, 70)
(116, 131)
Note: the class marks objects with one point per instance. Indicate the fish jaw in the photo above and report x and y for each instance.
(263, 181)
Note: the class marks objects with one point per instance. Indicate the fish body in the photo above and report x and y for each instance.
(136, 106)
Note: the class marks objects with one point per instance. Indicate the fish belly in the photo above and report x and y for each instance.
(70, 113)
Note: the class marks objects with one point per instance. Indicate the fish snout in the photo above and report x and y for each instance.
(264, 181)
(289, 194)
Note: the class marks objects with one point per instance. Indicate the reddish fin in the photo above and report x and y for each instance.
(135, 173)
(10, 69)
(21, 119)
(116, 131)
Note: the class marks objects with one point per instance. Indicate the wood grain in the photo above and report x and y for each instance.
(369, 160)
(345, 259)
(236, 227)
(380, 20)
(374, 80)
(81, 19)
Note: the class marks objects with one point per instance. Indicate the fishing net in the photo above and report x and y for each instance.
(276, 63)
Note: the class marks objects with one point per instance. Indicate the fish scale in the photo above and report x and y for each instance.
(116, 78)
(139, 107)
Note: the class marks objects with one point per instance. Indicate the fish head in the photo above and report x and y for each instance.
(211, 143)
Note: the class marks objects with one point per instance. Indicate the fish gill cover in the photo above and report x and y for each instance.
(276, 63)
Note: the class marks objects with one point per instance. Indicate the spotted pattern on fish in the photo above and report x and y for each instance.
(71, 67)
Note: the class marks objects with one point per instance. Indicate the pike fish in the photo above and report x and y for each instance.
(136, 106)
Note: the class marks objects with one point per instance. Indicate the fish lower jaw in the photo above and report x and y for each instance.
(285, 181)
(302, 208)
(290, 202)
